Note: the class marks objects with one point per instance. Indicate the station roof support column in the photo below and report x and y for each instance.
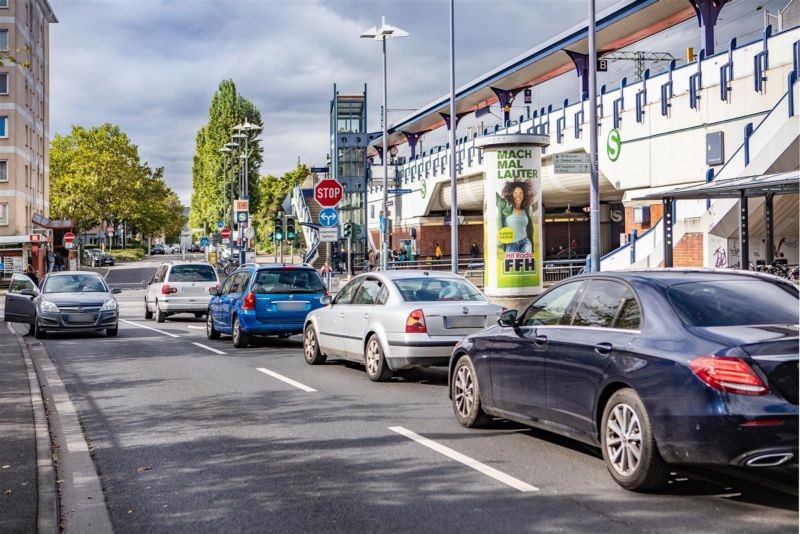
(707, 13)
(506, 98)
(769, 224)
(581, 62)
(412, 139)
(459, 116)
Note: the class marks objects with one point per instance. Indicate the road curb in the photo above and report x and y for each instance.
(83, 505)
(47, 505)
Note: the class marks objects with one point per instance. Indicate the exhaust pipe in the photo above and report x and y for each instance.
(769, 460)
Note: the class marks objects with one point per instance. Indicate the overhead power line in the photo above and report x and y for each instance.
(639, 59)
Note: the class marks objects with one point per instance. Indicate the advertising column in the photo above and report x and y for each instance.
(512, 217)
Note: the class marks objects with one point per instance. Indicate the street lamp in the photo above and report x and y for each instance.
(226, 151)
(381, 34)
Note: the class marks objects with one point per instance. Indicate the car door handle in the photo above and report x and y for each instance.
(341, 315)
(603, 348)
(540, 340)
(366, 316)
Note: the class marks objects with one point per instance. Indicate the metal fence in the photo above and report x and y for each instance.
(557, 270)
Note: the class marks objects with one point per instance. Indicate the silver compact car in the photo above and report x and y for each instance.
(68, 301)
(394, 320)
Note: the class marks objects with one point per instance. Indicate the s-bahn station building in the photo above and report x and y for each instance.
(698, 157)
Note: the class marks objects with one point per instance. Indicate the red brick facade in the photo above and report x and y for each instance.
(440, 233)
(656, 211)
(689, 251)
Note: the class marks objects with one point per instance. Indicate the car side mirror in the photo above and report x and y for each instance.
(213, 291)
(326, 300)
(28, 292)
(508, 318)
(116, 291)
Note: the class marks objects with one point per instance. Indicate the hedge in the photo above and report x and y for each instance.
(127, 254)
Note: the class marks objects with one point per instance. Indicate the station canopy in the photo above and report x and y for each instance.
(752, 186)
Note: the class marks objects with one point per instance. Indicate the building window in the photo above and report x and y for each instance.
(4, 40)
(3, 83)
(3, 213)
(4, 3)
(3, 170)
(3, 126)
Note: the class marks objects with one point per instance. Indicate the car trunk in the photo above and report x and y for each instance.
(285, 308)
(192, 289)
(773, 349)
(458, 318)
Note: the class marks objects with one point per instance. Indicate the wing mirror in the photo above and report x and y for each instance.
(28, 292)
(508, 318)
(116, 291)
(326, 300)
(213, 291)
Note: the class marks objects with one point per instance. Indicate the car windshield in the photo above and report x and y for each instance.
(735, 302)
(431, 289)
(287, 281)
(74, 283)
(192, 273)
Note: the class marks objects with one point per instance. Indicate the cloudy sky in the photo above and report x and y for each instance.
(151, 66)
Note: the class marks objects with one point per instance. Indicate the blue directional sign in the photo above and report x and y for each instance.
(399, 191)
(329, 217)
(220, 224)
(203, 241)
(382, 223)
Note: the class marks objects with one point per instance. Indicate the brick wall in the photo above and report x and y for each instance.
(428, 235)
(689, 251)
(656, 211)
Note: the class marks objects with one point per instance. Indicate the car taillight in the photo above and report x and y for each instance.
(415, 323)
(728, 374)
(166, 290)
(249, 302)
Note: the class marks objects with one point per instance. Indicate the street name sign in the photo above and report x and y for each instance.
(329, 235)
(572, 163)
(399, 191)
(329, 217)
(328, 193)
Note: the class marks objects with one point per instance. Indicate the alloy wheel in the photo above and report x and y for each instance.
(624, 439)
(237, 332)
(464, 393)
(373, 357)
(209, 326)
(310, 344)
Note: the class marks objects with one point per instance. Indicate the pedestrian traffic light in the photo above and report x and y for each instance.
(271, 237)
(278, 229)
(290, 233)
(347, 229)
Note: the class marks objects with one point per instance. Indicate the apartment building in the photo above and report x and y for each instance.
(24, 133)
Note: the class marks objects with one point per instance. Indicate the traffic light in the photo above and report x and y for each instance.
(290, 233)
(348, 227)
(271, 237)
(278, 229)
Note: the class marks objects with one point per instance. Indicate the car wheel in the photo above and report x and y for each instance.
(311, 349)
(198, 315)
(377, 369)
(466, 395)
(211, 332)
(160, 316)
(112, 332)
(38, 332)
(240, 339)
(147, 313)
(629, 445)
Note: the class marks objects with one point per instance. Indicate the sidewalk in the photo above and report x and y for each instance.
(18, 475)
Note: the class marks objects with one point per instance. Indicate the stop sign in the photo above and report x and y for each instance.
(328, 193)
(225, 233)
(69, 237)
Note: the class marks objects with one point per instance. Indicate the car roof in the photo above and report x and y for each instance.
(672, 276)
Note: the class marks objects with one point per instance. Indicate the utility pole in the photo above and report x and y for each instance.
(594, 186)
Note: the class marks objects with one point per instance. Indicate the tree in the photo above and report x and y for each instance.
(272, 191)
(96, 177)
(211, 169)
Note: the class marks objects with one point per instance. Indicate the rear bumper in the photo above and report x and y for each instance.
(251, 325)
(413, 352)
(184, 304)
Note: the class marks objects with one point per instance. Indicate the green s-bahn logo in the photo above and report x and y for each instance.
(423, 188)
(613, 145)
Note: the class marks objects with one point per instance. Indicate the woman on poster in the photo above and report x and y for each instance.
(514, 212)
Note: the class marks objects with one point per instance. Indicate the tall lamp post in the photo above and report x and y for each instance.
(381, 34)
(594, 187)
(243, 132)
(240, 138)
(233, 147)
(453, 152)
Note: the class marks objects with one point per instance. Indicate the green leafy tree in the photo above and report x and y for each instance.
(211, 168)
(272, 191)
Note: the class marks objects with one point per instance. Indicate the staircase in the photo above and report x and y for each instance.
(308, 212)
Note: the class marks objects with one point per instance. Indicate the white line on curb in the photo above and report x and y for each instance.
(466, 460)
(215, 351)
(149, 328)
(289, 381)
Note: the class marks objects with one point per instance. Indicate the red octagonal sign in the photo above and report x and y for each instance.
(328, 193)
(225, 233)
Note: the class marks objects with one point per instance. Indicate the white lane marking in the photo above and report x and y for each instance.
(215, 351)
(196, 327)
(289, 381)
(466, 460)
(149, 328)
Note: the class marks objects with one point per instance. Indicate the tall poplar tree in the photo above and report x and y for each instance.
(211, 168)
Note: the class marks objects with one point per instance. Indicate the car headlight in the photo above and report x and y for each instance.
(109, 305)
(47, 306)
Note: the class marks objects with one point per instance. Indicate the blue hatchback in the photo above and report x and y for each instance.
(263, 300)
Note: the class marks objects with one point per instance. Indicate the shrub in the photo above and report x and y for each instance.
(127, 254)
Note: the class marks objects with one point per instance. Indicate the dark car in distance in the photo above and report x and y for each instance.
(95, 257)
(654, 367)
(158, 249)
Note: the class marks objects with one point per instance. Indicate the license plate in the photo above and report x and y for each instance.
(291, 306)
(467, 321)
(80, 317)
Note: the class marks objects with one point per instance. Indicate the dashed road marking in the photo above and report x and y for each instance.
(289, 381)
(149, 328)
(195, 327)
(466, 460)
(212, 349)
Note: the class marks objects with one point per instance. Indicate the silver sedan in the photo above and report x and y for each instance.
(394, 320)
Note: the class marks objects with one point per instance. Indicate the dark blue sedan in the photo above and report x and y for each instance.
(263, 300)
(655, 368)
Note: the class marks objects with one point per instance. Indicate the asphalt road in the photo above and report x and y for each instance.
(194, 435)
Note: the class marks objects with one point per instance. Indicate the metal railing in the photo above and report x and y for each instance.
(556, 270)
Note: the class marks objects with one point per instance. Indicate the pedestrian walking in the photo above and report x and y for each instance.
(50, 259)
(371, 260)
(59, 261)
(31, 273)
(437, 251)
(474, 251)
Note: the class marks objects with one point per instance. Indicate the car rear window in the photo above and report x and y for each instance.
(287, 281)
(735, 302)
(431, 289)
(192, 273)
